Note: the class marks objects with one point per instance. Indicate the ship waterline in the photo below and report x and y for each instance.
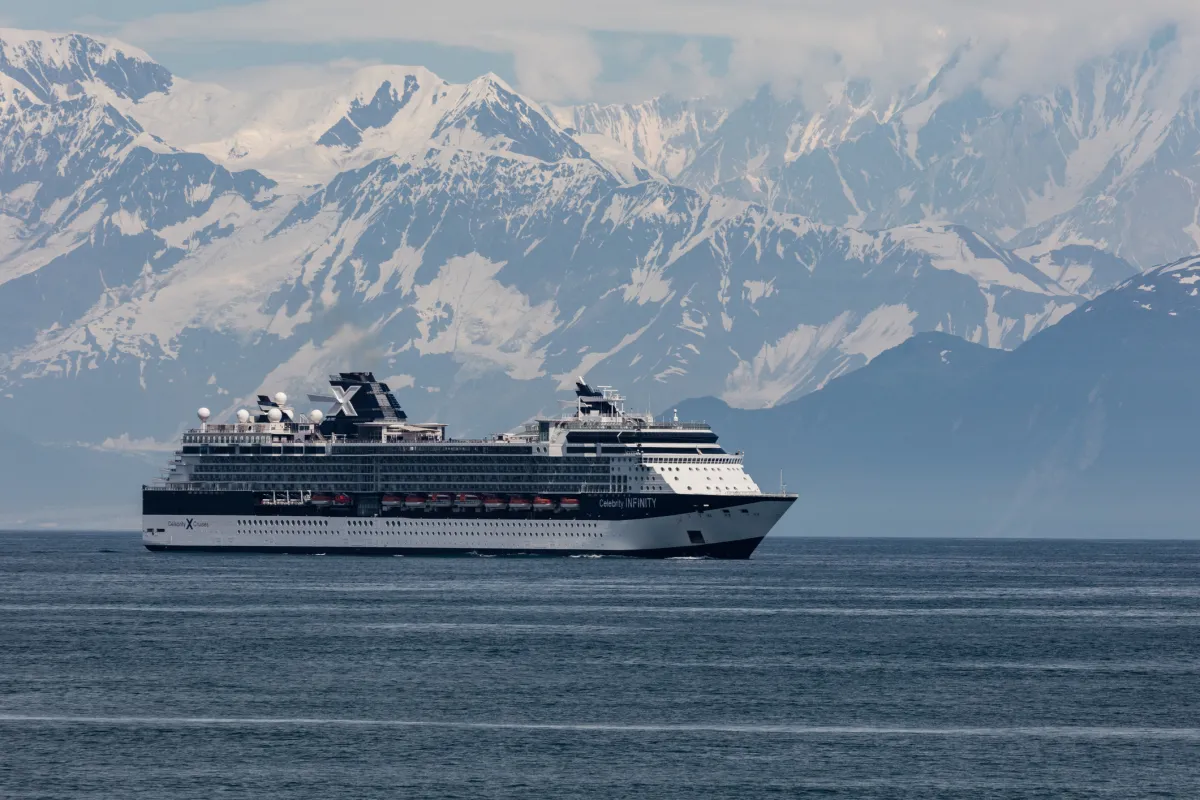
(361, 479)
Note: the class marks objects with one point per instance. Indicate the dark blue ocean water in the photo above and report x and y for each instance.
(870, 668)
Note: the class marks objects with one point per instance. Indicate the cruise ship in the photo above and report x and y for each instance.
(360, 478)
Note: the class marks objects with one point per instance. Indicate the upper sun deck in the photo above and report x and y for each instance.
(604, 407)
(364, 411)
(631, 422)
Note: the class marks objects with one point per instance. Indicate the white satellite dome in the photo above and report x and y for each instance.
(243, 416)
(274, 414)
(203, 414)
(280, 398)
(316, 415)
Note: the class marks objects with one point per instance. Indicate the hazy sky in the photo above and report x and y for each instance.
(628, 49)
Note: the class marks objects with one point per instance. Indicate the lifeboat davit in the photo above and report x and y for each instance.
(414, 501)
(391, 501)
(467, 501)
(542, 504)
(493, 503)
(321, 499)
(441, 501)
(518, 503)
(569, 504)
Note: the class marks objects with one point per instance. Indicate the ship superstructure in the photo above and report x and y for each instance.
(362, 478)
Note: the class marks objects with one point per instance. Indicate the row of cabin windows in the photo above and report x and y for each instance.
(464, 484)
(284, 469)
(423, 460)
(240, 469)
(324, 523)
(413, 475)
(438, 526)
(293, 466)
(396, 460)
(482, 487)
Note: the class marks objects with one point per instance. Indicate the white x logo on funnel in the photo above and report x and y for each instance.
(340, 401)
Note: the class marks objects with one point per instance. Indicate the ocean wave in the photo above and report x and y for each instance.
(784, 729)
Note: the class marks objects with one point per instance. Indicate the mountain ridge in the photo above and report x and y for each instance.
(1043, 170)
(1083, 430)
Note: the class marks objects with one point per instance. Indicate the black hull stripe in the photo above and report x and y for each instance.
(739, 549)
(591, 507)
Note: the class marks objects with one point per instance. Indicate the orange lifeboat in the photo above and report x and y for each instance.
(467, 501)
(391, 501)
(493, 503)
(542, 504)
(518, 504)
(569, 504)
(414, 501)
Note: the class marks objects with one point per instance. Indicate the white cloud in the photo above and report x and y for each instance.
(563, 65)
(1023, 44)
(264, 79)
(131, 445)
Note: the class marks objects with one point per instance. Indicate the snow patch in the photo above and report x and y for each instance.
(469, 314)
(199, 194)
(778, 368)
(397, 382)
(948, 251)
(621, 162)
(882, 329)
(1051, 314)
(566, 380)
(647, 285)
(402, 266)
(757, 290)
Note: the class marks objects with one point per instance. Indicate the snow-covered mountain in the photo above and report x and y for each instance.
(306, 135)
(1108, 160)
(1086, 429)
(167, 244)
(665, 134)
(51, 66)
(91, 205)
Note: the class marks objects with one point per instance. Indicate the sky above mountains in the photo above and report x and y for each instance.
(623, 50)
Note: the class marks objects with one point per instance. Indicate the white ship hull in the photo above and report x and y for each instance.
(721, 533)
